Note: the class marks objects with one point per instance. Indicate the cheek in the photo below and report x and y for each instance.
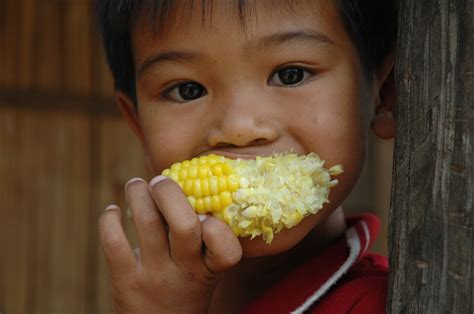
(333, 128)
(169, 140)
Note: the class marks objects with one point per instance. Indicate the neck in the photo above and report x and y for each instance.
(251, 276)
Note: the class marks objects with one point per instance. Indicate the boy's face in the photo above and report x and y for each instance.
(290, 79)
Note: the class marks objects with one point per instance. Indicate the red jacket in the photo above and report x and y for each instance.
(344, 278)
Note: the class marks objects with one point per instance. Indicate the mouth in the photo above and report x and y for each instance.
(247, 156)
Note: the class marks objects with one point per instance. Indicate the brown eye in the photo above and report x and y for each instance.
(186, 92)
(292, 76)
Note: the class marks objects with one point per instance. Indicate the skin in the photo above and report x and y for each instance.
(245, 110)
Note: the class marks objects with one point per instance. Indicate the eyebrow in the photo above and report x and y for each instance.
(272, 40)
(265, 42)
(168, 56)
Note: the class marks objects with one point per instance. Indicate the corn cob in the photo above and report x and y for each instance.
(259, 196)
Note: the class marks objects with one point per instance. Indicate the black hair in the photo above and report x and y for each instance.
(371, 24)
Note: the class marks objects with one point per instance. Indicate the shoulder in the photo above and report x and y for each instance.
(363, 289)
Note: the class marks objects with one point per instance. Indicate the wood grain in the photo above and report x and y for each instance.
(432, 210)
(47, 203)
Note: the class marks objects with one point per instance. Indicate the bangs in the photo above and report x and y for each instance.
(157, 14)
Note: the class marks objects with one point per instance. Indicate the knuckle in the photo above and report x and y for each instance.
(216, 229)
(188, 229)
(135, 284)
(111, 242)
(150, 224)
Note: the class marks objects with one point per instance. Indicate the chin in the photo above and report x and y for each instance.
(284, 240)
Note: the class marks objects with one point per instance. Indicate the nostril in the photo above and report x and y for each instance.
(225, 145)
(260, 141)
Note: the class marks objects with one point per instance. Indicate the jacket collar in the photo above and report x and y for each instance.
(307, 284)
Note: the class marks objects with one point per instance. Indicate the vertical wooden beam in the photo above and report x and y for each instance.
(432, 210)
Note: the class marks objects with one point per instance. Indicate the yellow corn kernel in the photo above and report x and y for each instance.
(215, 203)
(176, 166)
(213, 159)
(205, 187)
(188, 187)
(193, 171)
(183, 174)
(197, 191)
(207, 203)
(174, 175)
(199, 206)
(213, 186)
(227, 169)
(217, 169)
(203, 160)
(166, 172)
(203, 171)
(232, 183)
(225, 198)
(222, 183)
(192, 201)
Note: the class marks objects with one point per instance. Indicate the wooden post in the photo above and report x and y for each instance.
(431, 236)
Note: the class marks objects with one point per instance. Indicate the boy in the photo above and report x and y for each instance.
(244, 79)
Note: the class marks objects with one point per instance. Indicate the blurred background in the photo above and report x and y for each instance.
(65, 153)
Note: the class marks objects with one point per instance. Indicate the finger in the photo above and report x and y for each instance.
(184, 226)
(115, 245)
(148, 222)
(223, 249)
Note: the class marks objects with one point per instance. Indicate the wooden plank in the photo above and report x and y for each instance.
(13, 209)
(105, 80)
(9, 43)
(103, 85)
(381, 183)
(44, 100)
(432, 209)
(49, 45)
(77, 61)
(48, 168)
(26, 52)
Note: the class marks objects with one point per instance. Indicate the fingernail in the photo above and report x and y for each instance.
(202, 217)
(133, 180)
(111, 206)
(157, 180)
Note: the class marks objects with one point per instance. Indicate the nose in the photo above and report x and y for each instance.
(244, 119)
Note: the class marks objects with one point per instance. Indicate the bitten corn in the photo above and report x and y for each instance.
(256, 197)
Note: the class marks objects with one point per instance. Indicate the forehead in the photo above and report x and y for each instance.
(179, 23)
(161, 15)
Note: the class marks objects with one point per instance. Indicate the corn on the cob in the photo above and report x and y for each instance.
(256, 197)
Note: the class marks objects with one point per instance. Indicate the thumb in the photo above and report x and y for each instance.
(222, 248)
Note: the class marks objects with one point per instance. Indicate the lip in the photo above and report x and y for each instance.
(232, 155)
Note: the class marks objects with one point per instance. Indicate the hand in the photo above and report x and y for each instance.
(180, 257)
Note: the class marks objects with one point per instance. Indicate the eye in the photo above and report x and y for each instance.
(184, 92)
(291, 76)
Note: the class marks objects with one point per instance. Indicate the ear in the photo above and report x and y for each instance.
(130, 114)
(383, 123)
